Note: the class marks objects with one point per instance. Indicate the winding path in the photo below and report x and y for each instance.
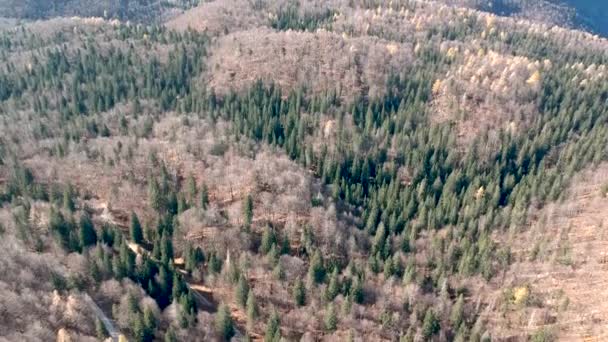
(107, 322)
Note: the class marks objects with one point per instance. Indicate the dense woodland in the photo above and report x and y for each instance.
(409, 210)
(134, 10)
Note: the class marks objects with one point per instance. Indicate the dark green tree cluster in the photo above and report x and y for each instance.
(292, 17)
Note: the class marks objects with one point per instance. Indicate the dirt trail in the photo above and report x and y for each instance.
(199, 291)
(107, 322)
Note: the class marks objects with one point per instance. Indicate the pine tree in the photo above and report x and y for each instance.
(223, 323)
(357, 291)
(248, 211)
(299, 292)
(135, 229)
(316, 270)
(100, 330)
(215, 263)
(59, 227)
(118, 268)
(198, 256)
(166, 249)
(182, 204)
(170, 335)
(273, 256)
(457, 313)
(191, 189)
(95, 272)
(242, 291)
(150, 324)
(172, 203)
(68, 200)
(204, 197)
(137, 325)
(331, 319)
(333, 287)
(347, 305)
(87, 234)
(273, 331)
(430, 325)
(155, 197)
(252, 309)
(268, 240)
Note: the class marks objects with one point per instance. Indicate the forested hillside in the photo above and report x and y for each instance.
(145, 11)
(302, 171)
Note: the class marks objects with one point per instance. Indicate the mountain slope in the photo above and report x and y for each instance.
(307, 170)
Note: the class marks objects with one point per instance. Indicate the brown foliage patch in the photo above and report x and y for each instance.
(487, 92)
(562, 260)
(218, 17)
(322, 61)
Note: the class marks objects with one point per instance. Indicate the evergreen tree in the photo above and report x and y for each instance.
(242, 291)
(204, 197)
(357, 291)
(273, 258)
(299, 292)
(191, 189)
(170, 335)
(59, 227)
(331, 291)
(100, 330)
(316, 270)
(68, 199)
(347, 305)
(268, 240)
(182, 205)
(135, 229)
(215, 263)
(248, 211)
(166, 249)
(95, 272)
(331, 318)
(430, 325)
(155, 197)
(87, 234)
(150, 324)
(198, 257)
(273, 328)
(457, 313)
(252, 309)
(223, 323)
(277, 271)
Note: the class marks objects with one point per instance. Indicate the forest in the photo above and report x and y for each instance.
(318, 171)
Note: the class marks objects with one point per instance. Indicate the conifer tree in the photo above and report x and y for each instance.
(268, 240)
(331, 318)
(316, 270)
(331, 291)
(248, 211)
(155, 197)
(170, 335)
(204, 197)
(456, 315)
(299, 292)
(223, 323)
(242, 291)
(135, 229)
(357, 290)
(191, 189)
(100, 330)
(273, 331)
(87, 235)
(68, 199)
(430, 325)
(252, 309)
